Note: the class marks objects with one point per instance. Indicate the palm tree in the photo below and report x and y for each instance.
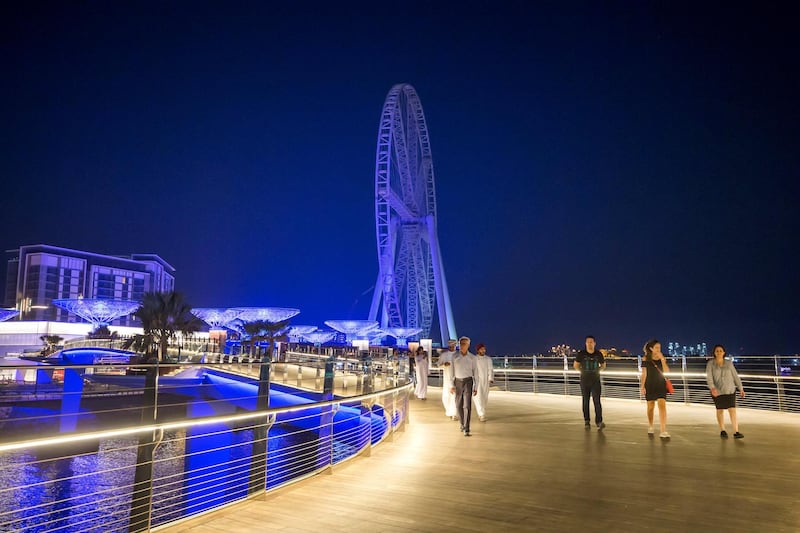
(255, 330)
(50, 342)
(259, 329)
(264, 329)
(163, 316)
(101, 332)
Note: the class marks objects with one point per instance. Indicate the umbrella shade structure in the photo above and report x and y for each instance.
(98, 312)
(295, 333)
(402, 334)
(353, 328)
(319, 337)
(8, 314)
(269, 314)
(216, 317)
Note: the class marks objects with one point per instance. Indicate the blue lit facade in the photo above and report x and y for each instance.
(39, 274)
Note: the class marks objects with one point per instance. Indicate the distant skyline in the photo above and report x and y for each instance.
(627, 171)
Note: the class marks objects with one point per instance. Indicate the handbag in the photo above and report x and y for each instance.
(667, 382)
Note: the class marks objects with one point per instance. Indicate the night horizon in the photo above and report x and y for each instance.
(627, 175)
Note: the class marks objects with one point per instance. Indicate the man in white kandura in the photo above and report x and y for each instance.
(421, 366)
(465, 372)
(446, 364)
(485, 378)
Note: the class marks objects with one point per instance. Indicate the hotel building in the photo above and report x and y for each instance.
(38, 274)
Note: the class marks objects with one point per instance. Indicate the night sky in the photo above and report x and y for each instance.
(628, 170)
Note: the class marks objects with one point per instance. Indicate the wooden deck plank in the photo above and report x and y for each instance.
(533, 467)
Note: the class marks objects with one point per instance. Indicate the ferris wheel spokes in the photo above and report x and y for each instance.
(410, 284)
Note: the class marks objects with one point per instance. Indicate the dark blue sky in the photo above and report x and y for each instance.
(629, 170)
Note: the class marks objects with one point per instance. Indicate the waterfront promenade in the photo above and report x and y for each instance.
(533, 467)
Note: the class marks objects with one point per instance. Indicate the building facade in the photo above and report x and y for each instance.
(38, 274)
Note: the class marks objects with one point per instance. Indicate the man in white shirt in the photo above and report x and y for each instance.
(485, 378)
(421, 364)
(446, 364)
(465, 372)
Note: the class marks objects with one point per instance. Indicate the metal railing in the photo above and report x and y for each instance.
(209, 445)
(767, 392)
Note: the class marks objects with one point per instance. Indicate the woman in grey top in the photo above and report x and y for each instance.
(723, 381)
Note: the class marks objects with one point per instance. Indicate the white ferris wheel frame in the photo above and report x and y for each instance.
(411, 279)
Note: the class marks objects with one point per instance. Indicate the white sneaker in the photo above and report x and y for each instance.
(651, 431)
(482, 418)
(664, 435)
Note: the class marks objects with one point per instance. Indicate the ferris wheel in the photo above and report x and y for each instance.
(411, 283)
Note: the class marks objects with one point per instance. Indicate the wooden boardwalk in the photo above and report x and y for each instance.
(533, 467)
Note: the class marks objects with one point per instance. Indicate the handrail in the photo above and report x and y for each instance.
(184, 424)
(764, 392)
(574, 372)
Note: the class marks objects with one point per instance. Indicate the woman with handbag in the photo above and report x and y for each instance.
(723, 381)
(654, 385)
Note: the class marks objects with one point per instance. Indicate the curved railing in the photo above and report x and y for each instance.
(210, 445)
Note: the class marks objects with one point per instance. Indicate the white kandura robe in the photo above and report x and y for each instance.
(485, 375)
(448, 398)
(421, 363)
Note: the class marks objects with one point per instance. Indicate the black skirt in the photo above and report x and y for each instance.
(725, 401)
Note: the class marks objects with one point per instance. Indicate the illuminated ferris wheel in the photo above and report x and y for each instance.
(411, 283)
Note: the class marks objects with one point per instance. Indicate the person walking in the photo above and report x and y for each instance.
(484, 380)
(421, 365)
(465, 372)
(723, 382)
(590, 362)
(446, 364)
(654, 385)
(412, 366)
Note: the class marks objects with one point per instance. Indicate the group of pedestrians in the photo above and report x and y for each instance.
(721, 377)
(465, 377)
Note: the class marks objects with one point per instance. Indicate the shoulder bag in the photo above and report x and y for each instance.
(667, 382)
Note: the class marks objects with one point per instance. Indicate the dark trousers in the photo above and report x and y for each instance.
(591, 388)
(464, 401)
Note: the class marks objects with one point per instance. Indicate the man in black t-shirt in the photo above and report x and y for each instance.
(590, 362)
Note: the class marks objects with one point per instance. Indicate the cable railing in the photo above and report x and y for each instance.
(80, 451)
(771, 392)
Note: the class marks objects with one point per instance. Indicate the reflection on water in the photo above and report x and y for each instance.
(91, 492)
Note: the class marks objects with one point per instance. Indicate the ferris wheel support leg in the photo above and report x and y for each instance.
(447, 324)
(376, 298)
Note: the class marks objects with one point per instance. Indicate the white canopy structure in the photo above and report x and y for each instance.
(98, 312)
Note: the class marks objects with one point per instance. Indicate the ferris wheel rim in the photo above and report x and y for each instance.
(404, 193)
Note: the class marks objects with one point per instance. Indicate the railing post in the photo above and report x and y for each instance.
(401, 399)
(142, 497)
(684, 380)
(258, 459)
(779, 388)
(368, 374)
(325, 437)
(366, 412)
